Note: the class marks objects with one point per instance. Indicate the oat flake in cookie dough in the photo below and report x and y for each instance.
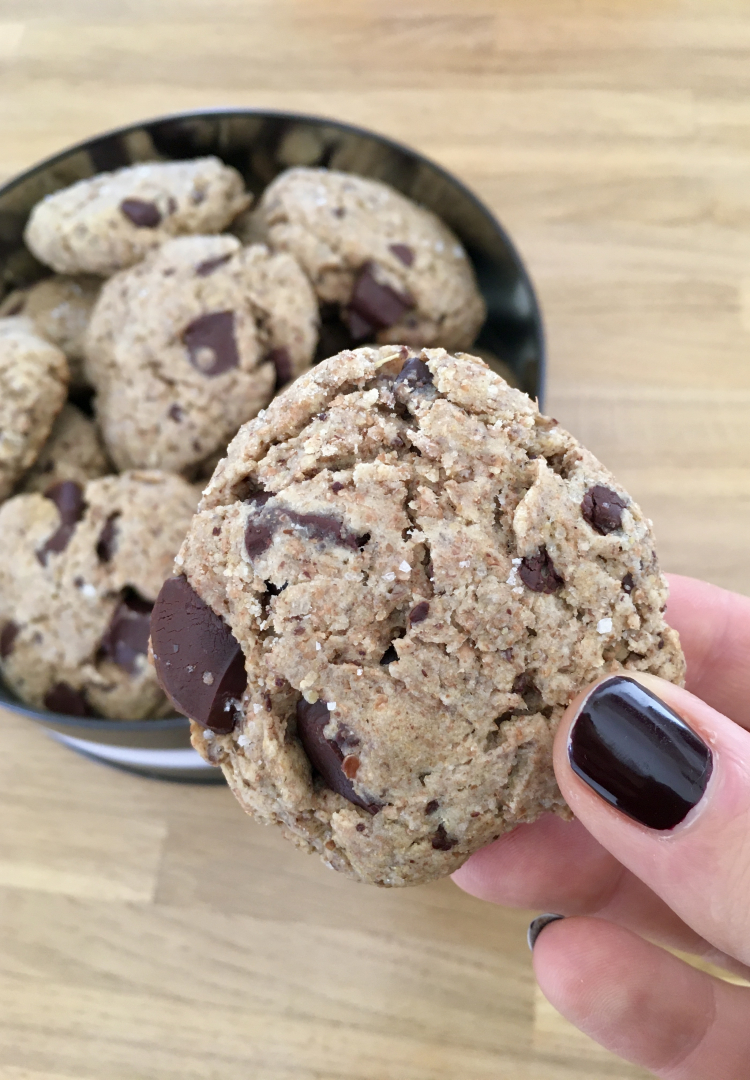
(111, 220)
(383, 268)
(80, 568)
(420, 570)
(189, 344)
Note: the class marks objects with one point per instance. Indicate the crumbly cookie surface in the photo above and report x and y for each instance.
(418, 571)
(60, 308)
(73, 451)
(189, 344)
(392, 268)
(80, 569)
(111, 220)
(33, 383)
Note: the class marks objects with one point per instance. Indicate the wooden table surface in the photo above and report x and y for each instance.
(149, 930)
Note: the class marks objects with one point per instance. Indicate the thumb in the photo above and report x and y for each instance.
(662, 781)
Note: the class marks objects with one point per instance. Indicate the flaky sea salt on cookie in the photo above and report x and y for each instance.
(110, 221)
(396, 581)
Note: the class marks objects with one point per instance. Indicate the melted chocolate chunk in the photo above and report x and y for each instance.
(419, 612)
(402, 252)
(199, 662)
(8, 635)
(603, 508)
(62, 698)
(414, 372)
(209, 265)
(145, 215)
(68, 498)
(374, 306)
(126, 637)
(441, 841)
(432, 806)
(538, 573)
(177, 413)
(211, 344)
(326, 755)
(106, 545)
(282, 361)
(628, 583)
(261, 528)
(337, 486)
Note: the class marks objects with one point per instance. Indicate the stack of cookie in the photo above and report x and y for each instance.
(174, 314)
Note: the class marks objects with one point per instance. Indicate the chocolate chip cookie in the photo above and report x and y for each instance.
(33, 384)
(80, 568)
(396, 581)
(383, 268)
(189, 344)
(60, 308)
(113, 219)
(73, 451)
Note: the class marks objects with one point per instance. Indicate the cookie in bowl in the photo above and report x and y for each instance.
(189, 344)
(112, 220)
(383, 268)
(80, 568)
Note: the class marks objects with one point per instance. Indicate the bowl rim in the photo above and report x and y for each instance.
(170, 723)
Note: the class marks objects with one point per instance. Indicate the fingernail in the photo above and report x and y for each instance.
(638, 754)
(538, 924)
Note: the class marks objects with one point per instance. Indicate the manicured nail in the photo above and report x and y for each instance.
(538, 924)
(638, 754)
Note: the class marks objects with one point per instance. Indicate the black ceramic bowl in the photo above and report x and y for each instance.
(261, 144)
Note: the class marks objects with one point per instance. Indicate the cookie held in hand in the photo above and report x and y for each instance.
(419, 571)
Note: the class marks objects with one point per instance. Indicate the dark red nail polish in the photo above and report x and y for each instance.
(638, 754)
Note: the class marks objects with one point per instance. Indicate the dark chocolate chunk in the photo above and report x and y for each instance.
(414, 372)
(199, 662)
(419, 612)
(282, 361)
(177, 413)
(603, 508)
(325, 755)
(337, 486)
(68, 498)
(441, 841)
(432, 806)
(126, 637)
(106, 545)
(402, 252)
(209, 265)
(261, 528)
(211, 344)
(390, 655)
(374, 306)
(628, 583)
(62, 698)
(145, 215)
(8, 635)
(538, 573)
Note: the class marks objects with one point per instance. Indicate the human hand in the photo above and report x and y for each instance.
(623, 881)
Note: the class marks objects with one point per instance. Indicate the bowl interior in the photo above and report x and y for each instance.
(261, 144)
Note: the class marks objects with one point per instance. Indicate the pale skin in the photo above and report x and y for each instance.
(626, 890)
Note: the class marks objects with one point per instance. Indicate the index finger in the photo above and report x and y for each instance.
(714, 628)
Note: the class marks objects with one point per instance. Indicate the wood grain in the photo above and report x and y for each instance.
(149, 930)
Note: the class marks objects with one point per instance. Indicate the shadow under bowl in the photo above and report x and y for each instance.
(260, 144)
